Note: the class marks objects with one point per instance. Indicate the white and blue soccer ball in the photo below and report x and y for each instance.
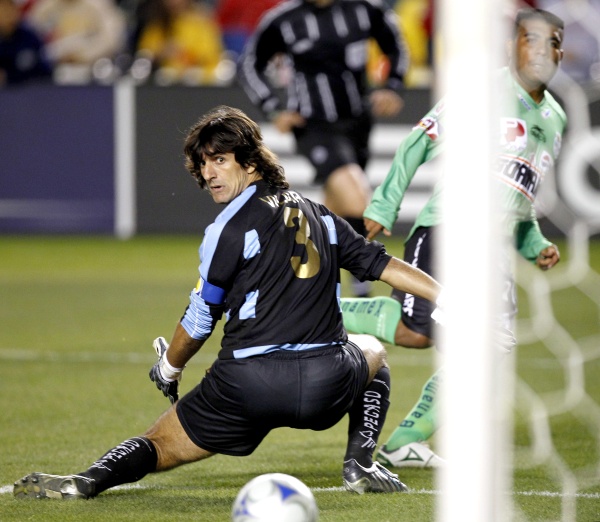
(275, 497)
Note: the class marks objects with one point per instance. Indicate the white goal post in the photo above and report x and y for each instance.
(470, 51)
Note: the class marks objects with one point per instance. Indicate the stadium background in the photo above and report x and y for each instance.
(59, 156)
(92, 300)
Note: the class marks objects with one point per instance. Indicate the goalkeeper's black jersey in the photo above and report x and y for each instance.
(272, 260)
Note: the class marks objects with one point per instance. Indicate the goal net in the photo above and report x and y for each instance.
(536, 412)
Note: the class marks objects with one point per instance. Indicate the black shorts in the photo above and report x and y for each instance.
(329, 146)
(240, 400)
(416, 311)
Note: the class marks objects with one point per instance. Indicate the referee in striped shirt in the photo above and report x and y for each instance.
(329, 105)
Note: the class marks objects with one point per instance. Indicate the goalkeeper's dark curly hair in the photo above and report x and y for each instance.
(226, 129)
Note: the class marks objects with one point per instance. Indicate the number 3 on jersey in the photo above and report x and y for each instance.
(313, 259)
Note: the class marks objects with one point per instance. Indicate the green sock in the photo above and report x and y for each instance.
(378, 316)
(421, 422)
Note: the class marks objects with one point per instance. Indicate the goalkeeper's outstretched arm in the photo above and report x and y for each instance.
(406, 278)
(182, 347)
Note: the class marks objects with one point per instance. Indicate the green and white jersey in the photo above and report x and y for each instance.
(530, 141)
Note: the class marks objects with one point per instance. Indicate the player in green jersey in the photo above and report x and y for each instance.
(531, 134)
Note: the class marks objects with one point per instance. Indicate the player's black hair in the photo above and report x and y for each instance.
(226, 129)
(529, 13)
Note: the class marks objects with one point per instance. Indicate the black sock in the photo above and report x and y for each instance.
(130, 461)
(367, 416)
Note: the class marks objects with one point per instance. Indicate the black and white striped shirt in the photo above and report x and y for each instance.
(328, 50)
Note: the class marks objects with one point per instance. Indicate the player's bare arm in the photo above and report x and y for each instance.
(406, 278)
(182, 348)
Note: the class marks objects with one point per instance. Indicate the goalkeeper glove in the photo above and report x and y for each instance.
(163, 374)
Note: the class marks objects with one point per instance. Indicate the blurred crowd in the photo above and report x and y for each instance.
(197, 42)
(191, 42)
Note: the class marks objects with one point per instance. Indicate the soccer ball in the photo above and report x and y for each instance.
(275, 497)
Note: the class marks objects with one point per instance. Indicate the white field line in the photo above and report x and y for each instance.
(24, 355)
(18, 354)
(4, 490)
(395, 357)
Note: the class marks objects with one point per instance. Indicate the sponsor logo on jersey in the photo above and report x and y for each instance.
(546, 162)
(524, 102)
(557, 144)
(519, 174)
(430, 126)
(538, 133)
(513, 134)
(546, 113)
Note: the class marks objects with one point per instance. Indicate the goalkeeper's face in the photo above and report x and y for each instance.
(537, 52)
(225, 177)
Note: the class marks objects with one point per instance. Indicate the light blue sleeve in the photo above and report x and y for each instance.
(200, 318)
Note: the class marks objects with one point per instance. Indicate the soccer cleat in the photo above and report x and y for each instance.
(41, 485)
(413, 455)
(375, 479)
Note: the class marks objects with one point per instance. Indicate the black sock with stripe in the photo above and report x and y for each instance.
(367, 417)
(130, 461)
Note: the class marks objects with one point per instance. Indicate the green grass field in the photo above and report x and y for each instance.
(77, 320)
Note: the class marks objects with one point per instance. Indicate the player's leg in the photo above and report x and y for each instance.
(378, 316)
(339, 151)
(405, 447)
(347, 193)
(164, 446)
(347, 188)
(366, 420)
(402, 319)
(412, 329)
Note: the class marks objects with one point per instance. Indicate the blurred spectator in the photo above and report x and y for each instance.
(24, 5)
(238, 19)
(79, 32)
(22, 54)
(415, 22)
(415, 18)
(183, 41)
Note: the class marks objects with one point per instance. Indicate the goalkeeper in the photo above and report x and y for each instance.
(531, 134)
(271, 263)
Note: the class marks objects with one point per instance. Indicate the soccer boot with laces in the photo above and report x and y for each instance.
(41, 485)
(375, 479)
(413, 455)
